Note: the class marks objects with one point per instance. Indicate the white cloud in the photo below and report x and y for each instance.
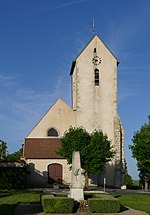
(126, 95)
(134, 70)
(7, 81)
(129, 28)
(60, 6)
(21, 108)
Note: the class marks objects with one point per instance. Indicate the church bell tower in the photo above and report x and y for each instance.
(94, 98)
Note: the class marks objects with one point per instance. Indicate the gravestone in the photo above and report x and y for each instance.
(76, 186)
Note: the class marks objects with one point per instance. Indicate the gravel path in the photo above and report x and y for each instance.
(36, 209)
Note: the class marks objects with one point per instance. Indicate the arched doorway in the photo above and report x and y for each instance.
(54, 173)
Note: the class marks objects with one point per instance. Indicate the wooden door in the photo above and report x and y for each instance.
(54, 173)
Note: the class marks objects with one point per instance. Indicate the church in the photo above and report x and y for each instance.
(94, 106)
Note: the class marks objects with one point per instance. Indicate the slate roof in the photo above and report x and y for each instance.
(42, 148)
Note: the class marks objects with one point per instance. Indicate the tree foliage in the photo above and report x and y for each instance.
(4, 155)
(95, 149)
(15, 156)
(141, 151)
(99, 152)
(128, 178)
(3, 147)
(75, 139)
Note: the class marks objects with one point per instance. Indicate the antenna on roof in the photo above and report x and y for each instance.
(93, 26)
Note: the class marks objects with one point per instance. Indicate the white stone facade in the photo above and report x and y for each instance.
(94, 106)
(38, 169)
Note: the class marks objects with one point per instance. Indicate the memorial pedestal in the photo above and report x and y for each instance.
(76, 187)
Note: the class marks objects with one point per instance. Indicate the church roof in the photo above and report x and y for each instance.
(74, 61)
(42, 148)
(59, 102)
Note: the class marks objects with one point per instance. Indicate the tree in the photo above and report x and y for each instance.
(95, 149)
(141, 151)
(3, 147)
(15, 156)
(128, 178)
(5, 155)
(75, 139)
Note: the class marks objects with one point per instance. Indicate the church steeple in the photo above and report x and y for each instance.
(94, 84)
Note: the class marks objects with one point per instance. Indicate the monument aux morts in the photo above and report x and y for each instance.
(94, 106)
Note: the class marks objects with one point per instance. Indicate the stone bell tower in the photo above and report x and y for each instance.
(94, 100)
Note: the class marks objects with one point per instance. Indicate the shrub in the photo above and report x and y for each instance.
(57, 204)
(12, 177)
(102, 195)
(104, 204)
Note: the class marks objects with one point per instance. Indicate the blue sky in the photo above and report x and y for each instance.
(38, 42)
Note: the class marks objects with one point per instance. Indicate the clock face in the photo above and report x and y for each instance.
(96, 60)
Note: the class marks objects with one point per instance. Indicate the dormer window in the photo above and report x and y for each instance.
(52, 132)
(96, 71)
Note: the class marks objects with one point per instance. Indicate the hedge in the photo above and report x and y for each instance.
(102, 196)
(13, 178)
(57, 204)
(104, 204)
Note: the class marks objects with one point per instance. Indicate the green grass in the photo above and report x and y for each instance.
(9, 199)
(136, 183)
(138, 202)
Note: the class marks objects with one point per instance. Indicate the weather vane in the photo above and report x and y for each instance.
(93, 26)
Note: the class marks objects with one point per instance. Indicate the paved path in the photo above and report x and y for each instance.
(36, 209)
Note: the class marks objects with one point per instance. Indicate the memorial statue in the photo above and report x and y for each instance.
(76, 186)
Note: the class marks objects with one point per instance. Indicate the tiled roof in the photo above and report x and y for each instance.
(42, 148)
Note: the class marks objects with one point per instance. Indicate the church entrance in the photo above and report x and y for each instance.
(54, 173)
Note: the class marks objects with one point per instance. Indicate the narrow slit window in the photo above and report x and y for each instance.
(96, 77)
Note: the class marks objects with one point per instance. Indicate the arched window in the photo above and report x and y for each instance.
(52, 132)
(96, 77)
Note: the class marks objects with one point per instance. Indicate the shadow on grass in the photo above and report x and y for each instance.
(24, 209)
(6, 193)
(6, 209)
(123, 208)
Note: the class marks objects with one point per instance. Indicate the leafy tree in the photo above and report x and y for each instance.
(75, 139)
(3, 147)
(5, 155)
(95, 149)
(128, 178)
(141, 151)
(15, 156)
(99, 152)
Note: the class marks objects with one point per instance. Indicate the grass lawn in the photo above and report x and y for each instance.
(138, 202)
(136, 183)
(9, 199)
